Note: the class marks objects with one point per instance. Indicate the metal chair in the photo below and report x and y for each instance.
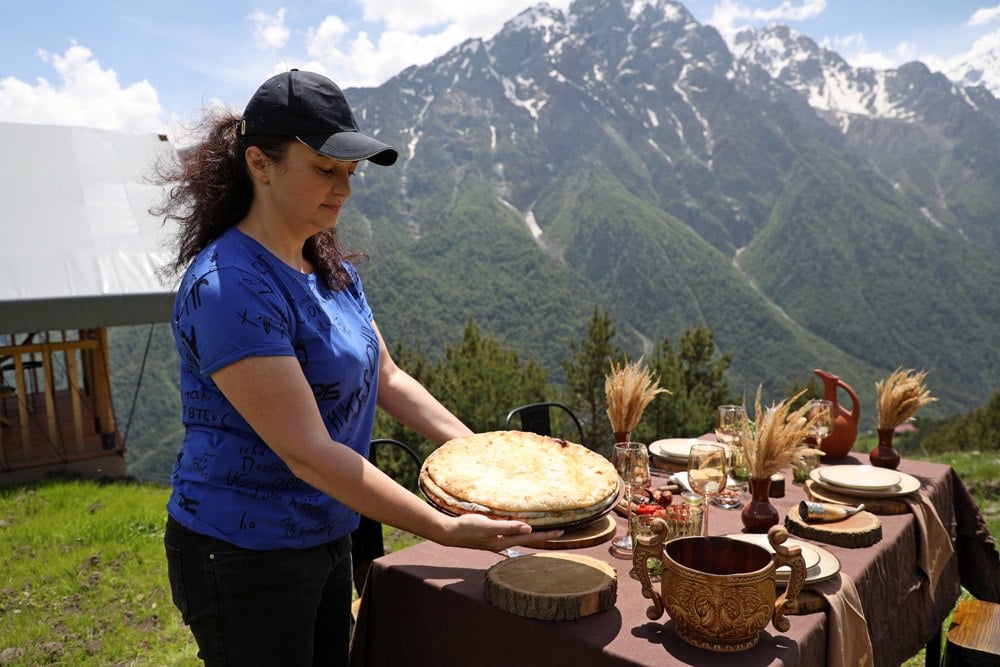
(366, 540)
(537, 418)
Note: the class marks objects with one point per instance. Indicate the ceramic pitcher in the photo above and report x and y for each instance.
(838, 444)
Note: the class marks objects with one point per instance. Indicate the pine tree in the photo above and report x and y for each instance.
(585, 370)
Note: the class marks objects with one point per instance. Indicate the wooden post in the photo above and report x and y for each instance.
(50, 396)
(22, 405)
(74, 395)
(102, 385)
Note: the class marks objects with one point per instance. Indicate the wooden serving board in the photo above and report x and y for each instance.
(552, 586)
(823, 494)
(665, 465)
(858, 530)
(811, 602)
(596, 532)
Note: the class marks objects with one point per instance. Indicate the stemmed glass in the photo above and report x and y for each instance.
(820, 414)
(631, 460)
(729, 423)
(707, 474)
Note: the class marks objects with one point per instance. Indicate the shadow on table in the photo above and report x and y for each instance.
(463, 587)
(770, 649)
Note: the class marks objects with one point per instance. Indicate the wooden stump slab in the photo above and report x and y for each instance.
(824, 494)
(858, 530)
(597, 532)
(552, 586)
(811, 602)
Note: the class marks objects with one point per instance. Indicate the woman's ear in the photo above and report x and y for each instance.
(257, 163)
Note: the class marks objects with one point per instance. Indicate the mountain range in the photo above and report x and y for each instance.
(622, 155)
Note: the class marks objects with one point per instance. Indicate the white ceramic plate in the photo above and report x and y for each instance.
(677, 449)
(827, 567)
(809, 553)
(907, 485)
(863, 477)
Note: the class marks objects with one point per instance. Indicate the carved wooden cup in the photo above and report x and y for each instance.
(720, 592)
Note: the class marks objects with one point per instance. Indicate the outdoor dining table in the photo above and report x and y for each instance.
(426, 605)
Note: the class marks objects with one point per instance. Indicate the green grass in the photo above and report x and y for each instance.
(84, 577)
(83, 580)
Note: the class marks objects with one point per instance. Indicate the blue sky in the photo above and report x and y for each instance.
(153, 65)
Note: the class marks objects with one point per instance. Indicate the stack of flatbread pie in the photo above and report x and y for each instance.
(540, 480)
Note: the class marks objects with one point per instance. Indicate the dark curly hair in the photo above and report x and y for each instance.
(210, 191)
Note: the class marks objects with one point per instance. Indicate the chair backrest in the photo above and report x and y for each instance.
(538, 418)
(402, 463)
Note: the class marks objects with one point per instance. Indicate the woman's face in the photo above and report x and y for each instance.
(308, 189)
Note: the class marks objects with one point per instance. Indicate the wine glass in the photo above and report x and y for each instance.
(729, 423)
(820, 415)
(707, 474)
(631, 460)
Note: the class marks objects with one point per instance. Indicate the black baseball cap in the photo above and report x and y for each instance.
(313, 109)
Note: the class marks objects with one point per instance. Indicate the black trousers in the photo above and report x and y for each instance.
(283, 607)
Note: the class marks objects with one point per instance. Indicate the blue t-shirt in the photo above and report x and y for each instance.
(237, 300)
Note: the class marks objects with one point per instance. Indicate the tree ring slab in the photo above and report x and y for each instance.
(856, 531)
(552, 586)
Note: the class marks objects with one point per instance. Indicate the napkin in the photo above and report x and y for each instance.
(848, 643)
(934, 549)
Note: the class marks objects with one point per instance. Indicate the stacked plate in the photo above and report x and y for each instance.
(676, 450)
(820, 563)
(865, 481)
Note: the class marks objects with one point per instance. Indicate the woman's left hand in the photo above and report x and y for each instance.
(475, 531)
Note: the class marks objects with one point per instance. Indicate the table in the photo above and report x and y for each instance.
(425, 605)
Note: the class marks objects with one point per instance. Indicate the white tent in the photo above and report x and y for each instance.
(78, 246)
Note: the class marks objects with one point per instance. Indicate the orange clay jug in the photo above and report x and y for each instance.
(838, 444)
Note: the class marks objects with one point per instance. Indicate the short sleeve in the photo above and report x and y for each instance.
(228, 314)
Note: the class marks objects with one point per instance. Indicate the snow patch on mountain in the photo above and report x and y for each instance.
(980, 66)
(827, 81)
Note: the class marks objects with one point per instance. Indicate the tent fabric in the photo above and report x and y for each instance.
(78, 246)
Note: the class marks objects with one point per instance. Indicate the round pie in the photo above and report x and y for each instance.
(540, 480)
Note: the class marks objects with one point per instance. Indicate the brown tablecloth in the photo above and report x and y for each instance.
(425, 605)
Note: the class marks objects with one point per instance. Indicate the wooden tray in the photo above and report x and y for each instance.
(597, 532)
(858, 530)
(552, 586)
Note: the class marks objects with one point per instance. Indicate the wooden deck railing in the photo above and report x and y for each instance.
(56, 399)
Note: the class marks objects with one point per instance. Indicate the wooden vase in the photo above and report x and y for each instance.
(759, 514)
(884, 455)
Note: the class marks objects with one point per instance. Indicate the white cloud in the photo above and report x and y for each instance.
(855, 50)
(789, 11)
(269, 30)
(472, 19)
(728, 16)
(984, 16)
(401, 33)
(358, 60)
(86, 95)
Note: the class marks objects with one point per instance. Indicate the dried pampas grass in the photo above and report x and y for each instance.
(629, 388)
(900, 396)
(774, 442)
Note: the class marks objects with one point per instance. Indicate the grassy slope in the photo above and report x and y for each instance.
(84, 581)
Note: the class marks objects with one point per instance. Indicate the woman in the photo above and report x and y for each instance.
(281, 369)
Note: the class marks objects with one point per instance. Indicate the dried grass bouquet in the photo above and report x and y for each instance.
(774, 441)
(900, 396)
(629, 388)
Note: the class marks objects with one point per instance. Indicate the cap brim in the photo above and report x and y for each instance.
(351, 146)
